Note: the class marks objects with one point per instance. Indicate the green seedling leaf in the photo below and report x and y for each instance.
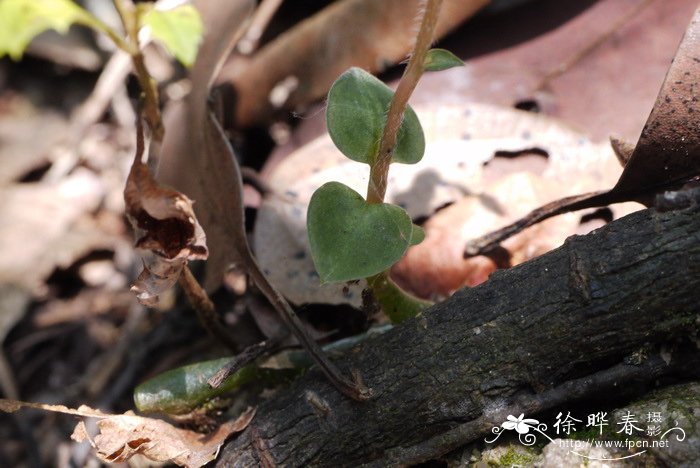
(179, 30)
(23, 20)
(356, 114)
(441, 59)
(417, 235)
(352, 239)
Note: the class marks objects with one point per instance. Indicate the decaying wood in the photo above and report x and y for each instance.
(546, 332)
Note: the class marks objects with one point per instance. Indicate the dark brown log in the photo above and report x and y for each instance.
(551, 330)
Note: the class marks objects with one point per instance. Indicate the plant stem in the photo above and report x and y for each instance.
(355, 390)
(380, 169)
(206, 312)
(151, 108)
(95, 23)
(396, 303)
(196, 295)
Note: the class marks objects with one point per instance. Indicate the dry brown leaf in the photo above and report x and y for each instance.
(609, 91)
(166, 226)
(26, 209)
(157, 277)
(164, 216)
(193, 159)
(435, 268)
(122, 436)
(666, 156)
(300, 65)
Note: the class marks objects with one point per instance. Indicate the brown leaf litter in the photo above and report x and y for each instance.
(121, 436)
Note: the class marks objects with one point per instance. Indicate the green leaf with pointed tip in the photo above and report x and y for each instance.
(179, 30)
(441, 59)
(356, 114)
(352, 239)
(23, 20)
(417, 235)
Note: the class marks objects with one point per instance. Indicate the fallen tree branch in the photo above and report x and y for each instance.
(512, 344)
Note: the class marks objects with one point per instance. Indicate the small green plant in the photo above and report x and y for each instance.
(179, 29)
(352, 237)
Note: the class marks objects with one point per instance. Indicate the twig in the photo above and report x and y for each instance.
(248, 355)
(289, 317)
(206, 312)
(112, 77)
(196, 295)
(486, 243)
(262, 16)
(376, 188)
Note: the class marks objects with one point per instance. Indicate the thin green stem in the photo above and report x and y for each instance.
(129, 16)
(395, 302)
(98, 25)
(151, 107)
(379, 171)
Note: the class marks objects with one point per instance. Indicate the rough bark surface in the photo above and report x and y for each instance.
(567, 320)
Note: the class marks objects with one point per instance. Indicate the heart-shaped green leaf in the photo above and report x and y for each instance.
(441, 59)
(179, 30)
(356, 114)
(352, 239)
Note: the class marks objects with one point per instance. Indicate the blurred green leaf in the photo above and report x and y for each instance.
(441, 59)
(179, 30)
(352, 239)
(356, 115)
(417, 235)
(23, 20)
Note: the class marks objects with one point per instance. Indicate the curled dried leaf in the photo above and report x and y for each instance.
(157, 276)
(164, 218)
(122, 436)
(166, 227)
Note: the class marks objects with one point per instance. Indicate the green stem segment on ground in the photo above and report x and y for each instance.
(185, 389)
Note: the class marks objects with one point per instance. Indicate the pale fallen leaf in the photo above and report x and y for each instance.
(27, 258)
(121, 436)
